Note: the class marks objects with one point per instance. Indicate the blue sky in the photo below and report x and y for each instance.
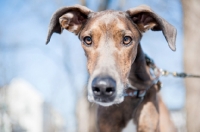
(58, 70)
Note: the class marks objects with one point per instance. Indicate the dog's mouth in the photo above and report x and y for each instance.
(127, 92)
(106, 91)
(105, 99)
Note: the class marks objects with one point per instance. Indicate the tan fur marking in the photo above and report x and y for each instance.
(65, 22)
(107, 50)
(144, 28)
(125, 64)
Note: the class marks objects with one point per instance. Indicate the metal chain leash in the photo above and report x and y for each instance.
(162, 72)
(176, 74)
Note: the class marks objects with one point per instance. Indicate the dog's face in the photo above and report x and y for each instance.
(110, 40)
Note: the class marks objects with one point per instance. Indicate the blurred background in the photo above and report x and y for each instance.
(40, 84)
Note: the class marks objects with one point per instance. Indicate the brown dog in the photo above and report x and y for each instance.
(120, 80)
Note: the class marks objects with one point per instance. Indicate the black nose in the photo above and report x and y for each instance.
(104, 87)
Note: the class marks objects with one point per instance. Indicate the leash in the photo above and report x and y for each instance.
(152, 65)
(176, 74)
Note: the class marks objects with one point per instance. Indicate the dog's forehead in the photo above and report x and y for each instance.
(108, 18)
(108, 15)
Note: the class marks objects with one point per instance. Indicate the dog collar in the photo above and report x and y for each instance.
(135, 93)
(140, 93)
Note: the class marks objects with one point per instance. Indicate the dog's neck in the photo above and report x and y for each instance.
(139, 76)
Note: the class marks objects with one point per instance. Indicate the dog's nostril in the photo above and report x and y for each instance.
(109, 91)
(96, 91)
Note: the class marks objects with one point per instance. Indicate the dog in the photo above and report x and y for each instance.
(120, 80)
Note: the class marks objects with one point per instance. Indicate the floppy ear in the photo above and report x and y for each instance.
(146, 19)
(71, 18)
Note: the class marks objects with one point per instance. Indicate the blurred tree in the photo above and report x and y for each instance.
(103, 5)
(121, 4)
(191, 20)
(83, 2)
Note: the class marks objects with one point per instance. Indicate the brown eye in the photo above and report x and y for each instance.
(87, 40)
(127, 40)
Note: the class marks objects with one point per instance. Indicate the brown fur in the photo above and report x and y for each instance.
(124, 57)
(107, 55)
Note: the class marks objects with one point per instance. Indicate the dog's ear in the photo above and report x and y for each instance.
(70, 18)
(146, 19)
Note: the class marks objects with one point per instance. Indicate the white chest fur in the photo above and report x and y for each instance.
(130, 127)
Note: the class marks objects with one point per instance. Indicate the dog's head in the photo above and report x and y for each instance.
(110, 40)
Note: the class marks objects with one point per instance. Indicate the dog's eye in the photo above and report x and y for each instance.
(127, 40)
(87, 40)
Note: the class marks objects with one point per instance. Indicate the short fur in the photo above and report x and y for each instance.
(126, 64)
